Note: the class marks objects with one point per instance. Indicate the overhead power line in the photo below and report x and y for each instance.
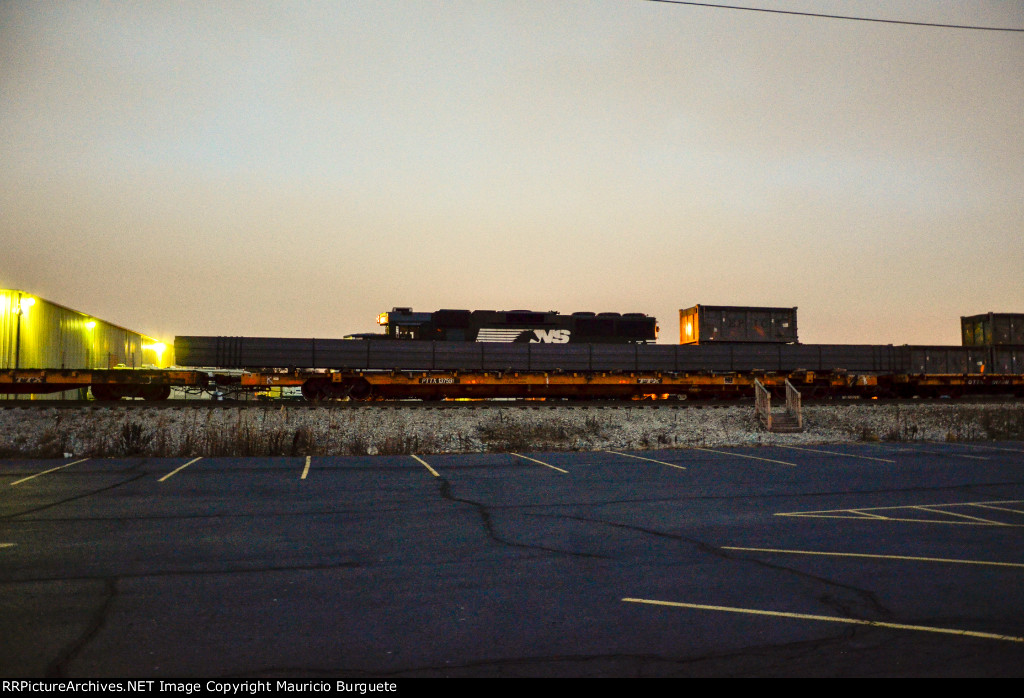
(827, 16)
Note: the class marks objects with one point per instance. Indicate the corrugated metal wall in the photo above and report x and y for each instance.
(35, 333)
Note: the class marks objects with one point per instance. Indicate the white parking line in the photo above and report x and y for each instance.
(660, 462)
(30, 477)
(547, 465)
(178, 469)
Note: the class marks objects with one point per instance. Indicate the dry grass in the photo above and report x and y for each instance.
(503, 433)
(279, 431)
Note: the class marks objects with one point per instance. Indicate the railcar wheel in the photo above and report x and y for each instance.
(361, 390)
(156, 392)
(315, 390)
(104, 393)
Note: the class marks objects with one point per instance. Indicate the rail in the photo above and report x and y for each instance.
(793, 405)
(763, 404)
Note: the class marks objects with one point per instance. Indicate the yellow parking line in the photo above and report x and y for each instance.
(305, 471)
(925, 507)
(427, 466)
(867, 513)
(7, 545)
(833, 515)
(864, 513)
(178, 469)
(893, 518)
(660, 462)
(954, 523)
(989, 506)
(547, 465)
(830, 619)
(879, 557)
(741, 455)
(910, 506)
(835, 453)
(26, 479)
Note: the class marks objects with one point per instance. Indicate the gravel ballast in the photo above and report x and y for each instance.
(95, 431)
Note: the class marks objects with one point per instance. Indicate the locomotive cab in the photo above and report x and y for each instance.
(403, 323)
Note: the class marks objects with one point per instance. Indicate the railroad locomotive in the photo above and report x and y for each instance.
(516, 327)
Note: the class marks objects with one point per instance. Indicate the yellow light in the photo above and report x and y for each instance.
(158, 347)
(27, 303)
(90, 325)
(382, 319)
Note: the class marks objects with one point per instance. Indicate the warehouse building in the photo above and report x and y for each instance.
(39, 334)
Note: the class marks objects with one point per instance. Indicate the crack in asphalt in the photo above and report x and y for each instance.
(492, 507)
(445, 490)
(84, 495)
(834, 602)
(765, 656)
(56, 668)
(752, 498)
(644, 664)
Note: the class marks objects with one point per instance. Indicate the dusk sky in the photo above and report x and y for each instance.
(296, 168)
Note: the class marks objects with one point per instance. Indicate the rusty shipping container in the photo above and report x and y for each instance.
(992, 329)
(726, 323)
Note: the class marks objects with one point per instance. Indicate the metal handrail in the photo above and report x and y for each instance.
(763, 404)
(794, 404)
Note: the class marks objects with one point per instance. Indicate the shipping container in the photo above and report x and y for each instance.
(1007, 360)
(944, 360)
(725, 323)
(992, 329)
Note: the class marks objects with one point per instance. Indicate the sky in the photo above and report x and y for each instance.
(296, 168)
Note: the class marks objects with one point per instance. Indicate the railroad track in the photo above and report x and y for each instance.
(139, 404)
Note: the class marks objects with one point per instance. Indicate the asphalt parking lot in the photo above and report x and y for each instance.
(866, 560)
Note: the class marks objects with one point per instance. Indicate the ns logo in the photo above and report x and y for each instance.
(543, 336)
